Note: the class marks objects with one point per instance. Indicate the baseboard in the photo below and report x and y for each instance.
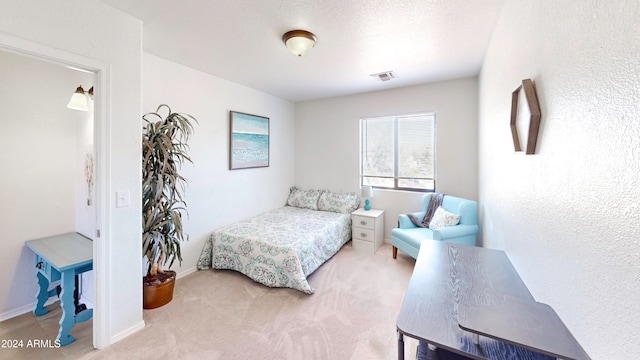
(139, 326)
(130, 331)
(24, 309)
(186, 272)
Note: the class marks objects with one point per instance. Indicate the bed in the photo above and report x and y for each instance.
(281, 247)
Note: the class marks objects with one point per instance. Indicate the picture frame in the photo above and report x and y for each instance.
(249, 138)
(534, 116)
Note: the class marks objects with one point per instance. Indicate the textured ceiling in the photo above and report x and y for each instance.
(240, 40)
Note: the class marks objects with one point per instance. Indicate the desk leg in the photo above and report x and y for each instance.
(43, 295)
(400, 346)
(68, 308)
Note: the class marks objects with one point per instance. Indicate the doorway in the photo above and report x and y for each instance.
(52, 152)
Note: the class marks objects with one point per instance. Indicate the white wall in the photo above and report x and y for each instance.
(327, 141)
(217, 196)
(85, 198)
(569, 216)
(39, 163)
(90, 29)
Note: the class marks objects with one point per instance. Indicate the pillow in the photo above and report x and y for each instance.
(442, 218)
(338, 203)
(306, 199)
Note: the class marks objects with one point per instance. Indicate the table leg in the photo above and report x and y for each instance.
(400, 346)
(43, 295)
(67, 321)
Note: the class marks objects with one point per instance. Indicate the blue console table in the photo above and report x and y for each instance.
(62, 257)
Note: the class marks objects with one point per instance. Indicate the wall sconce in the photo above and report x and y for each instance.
(79, 99)
(299, 41)
(367, 192)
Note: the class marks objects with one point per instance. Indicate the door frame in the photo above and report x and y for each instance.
(102, 146)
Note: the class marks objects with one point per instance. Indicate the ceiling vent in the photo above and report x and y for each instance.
(384, 76)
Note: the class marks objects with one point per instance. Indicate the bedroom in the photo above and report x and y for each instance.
(576, 90)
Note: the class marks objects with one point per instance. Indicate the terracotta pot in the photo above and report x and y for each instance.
(154, 296)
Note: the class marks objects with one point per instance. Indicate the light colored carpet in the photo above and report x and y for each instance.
(224, 315)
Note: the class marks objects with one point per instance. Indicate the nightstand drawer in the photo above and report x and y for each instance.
(364, 222)
(365, 246)
(363, 234)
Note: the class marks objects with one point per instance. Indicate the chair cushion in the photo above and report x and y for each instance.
(413, 236)
(443, 218)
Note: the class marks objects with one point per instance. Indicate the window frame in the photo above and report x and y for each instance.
(396, 155)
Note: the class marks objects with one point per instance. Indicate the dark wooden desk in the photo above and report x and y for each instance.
(450, 278)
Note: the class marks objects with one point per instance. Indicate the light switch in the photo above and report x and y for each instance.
(123, 199)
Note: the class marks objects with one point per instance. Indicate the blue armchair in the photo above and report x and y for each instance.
(407, 237)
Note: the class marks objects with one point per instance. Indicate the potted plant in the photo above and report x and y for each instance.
(164, 150)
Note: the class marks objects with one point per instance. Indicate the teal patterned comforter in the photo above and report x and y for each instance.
(279, 248)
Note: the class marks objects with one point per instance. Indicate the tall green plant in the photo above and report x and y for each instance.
(164, 150)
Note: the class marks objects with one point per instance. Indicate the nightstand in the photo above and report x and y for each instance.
(367, 229)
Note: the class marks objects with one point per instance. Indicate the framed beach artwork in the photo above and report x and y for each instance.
(248, 141)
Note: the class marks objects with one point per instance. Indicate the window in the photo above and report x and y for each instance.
(398, 152)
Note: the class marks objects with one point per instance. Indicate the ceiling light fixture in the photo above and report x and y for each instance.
(79, 99)
(299, 41)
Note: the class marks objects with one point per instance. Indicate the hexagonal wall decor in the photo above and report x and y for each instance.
(534, 120)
